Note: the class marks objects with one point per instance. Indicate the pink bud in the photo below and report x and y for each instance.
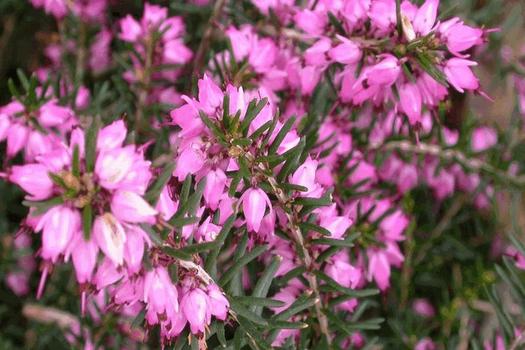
(34, 179)
(110, 237)
(153, 15)
(130, 29)
(84, 255)
(16, 138)
(423, 308)
(460, 37)
(129, 207)
(160, 294)
(483, 138)
(194, 305)
(215, 182)
(241, 41)
(311, 22)
(218, 303)
(379, 268)
(111, 136)
(254, 202)
(210, 95)
(460, 75)
(426, 17)
(134, 249)
(172, 27)
(51, 114)
(346, 53)
(410, 100)
(190, 161)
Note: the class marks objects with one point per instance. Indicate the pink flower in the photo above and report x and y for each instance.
(254, 203)
(130, 207)
(410, 100)
(346, 53)
(110, 237)
(84, 255)
(34, 179)
(160, 295)
(426, 17)
(379, 268)
(194, 305)
(423, 308)
(460, 37)
(459, 74)
(112, 166)
(58, 226)
(215, 182)
(483, 138)
(218, 303)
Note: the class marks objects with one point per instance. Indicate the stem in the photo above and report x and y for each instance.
(472, 164)
(298, 239)
(205, 42)
(145, 82)
(81, 55)
(398, 19)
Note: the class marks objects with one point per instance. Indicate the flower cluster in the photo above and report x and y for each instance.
(257, 189)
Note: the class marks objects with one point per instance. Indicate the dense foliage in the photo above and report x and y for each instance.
(262, 174)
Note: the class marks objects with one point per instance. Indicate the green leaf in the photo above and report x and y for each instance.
(336, 23)
(258, 301)
(425, 62)
(287, 325)
(333, 286)
(213, 128)
(265, 281)
(239, 309)
(281, 135)
(177, 253)
(152, 196)
(76, 162)
(307, 226)
(199, 247)
(87, 221)
(42, 206)
(91, 144)
(253, 110)
(153, 235)
(237, 266)
(347, 242)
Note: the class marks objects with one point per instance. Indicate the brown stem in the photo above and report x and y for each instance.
(145, 84)
(306, 258)
(205, 42)
(473, 164)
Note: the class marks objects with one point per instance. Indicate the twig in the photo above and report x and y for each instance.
(472, 164)
(49, 315)
(205, 42)
(441, 227)
(518, 341)
(145, 83)
(297, 237)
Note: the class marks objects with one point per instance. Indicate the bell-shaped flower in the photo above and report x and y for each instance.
(84, 255)
(34, 179)
(160, 295)
(113, 166)
(111, 136)
(110, 237)
(129, 207)
(130, 29)
(347, 52)
(58, 226)
(460, 75)
(195, 306)
(254, 203)
(218, 304)
(425, 17)
(410, 101)
(215, 182)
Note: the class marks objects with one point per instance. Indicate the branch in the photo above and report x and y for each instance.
(297, 237)
(473, 164)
